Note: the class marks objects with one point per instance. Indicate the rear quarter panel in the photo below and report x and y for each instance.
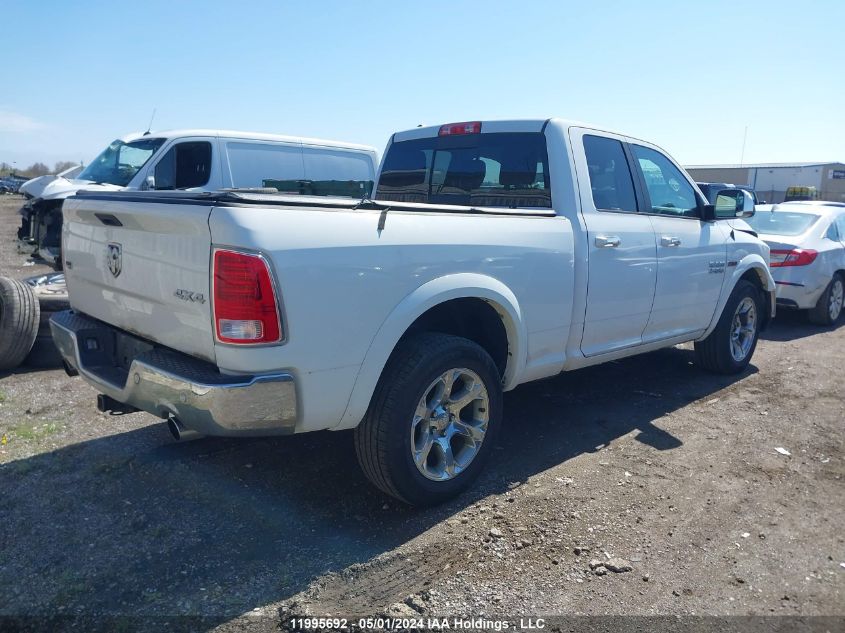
(345, 285)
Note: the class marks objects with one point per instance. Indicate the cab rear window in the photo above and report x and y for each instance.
(481, 170)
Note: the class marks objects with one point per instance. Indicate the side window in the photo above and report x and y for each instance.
(184, 166)
(832, 232)
(265, 165)
(610, 175)
(840, 227)
(668, 190)
(337, 172)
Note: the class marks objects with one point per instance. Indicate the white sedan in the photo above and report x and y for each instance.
(807, 241)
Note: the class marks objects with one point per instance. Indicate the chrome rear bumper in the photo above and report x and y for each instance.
(169, 384)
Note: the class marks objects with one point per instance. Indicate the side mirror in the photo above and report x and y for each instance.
(149, 183)
(733, 203)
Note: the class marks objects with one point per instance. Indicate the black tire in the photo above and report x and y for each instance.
(820, 315)
(44, 353)
(383, 439)
(714, 352)
(19, 320)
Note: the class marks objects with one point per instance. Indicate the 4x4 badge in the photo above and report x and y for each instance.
(190, 295)
(114, 258)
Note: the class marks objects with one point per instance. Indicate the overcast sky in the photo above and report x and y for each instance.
(687, 76)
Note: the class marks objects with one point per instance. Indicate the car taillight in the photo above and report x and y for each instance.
(244, 299)
(779, 258)
(468, 127)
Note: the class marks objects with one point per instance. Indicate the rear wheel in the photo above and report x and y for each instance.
(729, 347)
(829, 307)
(19, 320)
(433, 419)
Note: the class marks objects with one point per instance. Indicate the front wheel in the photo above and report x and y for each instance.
(729, 347)
(433, 419)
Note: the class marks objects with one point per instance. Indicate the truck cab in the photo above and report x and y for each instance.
(195, 160)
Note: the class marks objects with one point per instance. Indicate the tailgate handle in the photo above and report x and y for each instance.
(108, 219)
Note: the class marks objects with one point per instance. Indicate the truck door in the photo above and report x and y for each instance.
(691, 253)
(621, 251)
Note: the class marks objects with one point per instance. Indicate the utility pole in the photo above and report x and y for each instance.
(742, 156)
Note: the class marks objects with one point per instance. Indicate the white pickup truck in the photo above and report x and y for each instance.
(194, 160)
(492, 254)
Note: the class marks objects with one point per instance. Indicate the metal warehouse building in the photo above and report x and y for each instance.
(771, 180)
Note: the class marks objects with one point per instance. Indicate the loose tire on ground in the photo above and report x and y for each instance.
(384, 439)
(19, 321)
(44, 353)
(829, 307)
(714, 352)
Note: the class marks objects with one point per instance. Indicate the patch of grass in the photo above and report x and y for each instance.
(152, 595)
(158, 531)
(35, 431)
(21, 467)
(71, 586)
(112, 467)
(2, 396)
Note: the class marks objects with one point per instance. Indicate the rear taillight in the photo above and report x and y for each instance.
(245, 308)
(468, 127)
(779, 258)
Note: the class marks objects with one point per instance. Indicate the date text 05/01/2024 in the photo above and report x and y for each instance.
(404, 624)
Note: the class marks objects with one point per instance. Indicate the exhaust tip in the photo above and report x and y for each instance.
(179, 432)
(173, 428)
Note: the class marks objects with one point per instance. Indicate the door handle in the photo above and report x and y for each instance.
(668, 240)
(607, 241)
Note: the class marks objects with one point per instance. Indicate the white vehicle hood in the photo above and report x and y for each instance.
(57, 188)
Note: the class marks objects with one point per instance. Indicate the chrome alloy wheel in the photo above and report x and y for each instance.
(743, 329)
(837, 293)
(449, 424)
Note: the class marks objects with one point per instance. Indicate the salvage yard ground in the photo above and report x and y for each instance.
(723, 495)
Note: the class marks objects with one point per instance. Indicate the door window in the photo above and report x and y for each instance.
(610, 174)
(669, 192)
(184, 166)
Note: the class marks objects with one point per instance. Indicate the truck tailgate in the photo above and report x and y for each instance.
(142, 267)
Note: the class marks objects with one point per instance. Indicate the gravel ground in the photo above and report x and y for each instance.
(643, 486)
